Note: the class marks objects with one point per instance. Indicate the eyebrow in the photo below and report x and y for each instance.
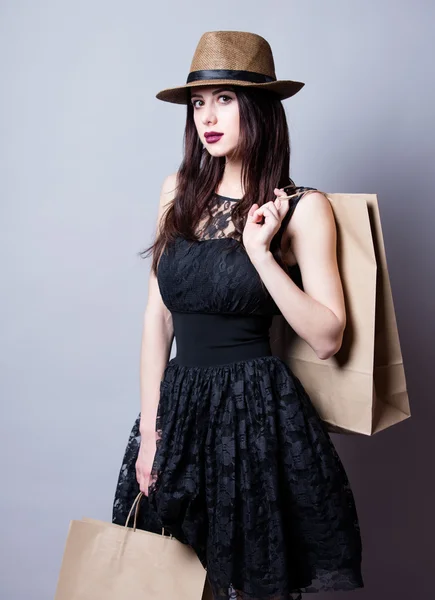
(220, 89)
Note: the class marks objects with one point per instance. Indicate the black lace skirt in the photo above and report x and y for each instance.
(246, 473)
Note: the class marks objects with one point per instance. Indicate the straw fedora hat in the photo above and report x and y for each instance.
(234, 57)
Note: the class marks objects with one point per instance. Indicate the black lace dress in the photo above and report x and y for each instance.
(245, 471)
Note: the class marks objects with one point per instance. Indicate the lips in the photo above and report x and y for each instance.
(213, 136)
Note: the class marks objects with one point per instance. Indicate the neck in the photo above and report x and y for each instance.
(231, 181)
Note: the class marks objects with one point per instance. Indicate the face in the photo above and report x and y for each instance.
(216, 109)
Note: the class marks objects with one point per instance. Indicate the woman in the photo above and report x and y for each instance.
(228, 449)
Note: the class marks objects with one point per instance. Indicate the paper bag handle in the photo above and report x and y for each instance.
(136, 504)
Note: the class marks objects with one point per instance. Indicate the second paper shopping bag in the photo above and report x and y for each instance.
(105, 560)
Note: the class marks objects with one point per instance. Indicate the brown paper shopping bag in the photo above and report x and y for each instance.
(115, 562)
(362, 388)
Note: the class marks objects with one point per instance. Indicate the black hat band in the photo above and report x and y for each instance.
(229, 74)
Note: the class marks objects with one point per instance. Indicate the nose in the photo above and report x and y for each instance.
(209, 114)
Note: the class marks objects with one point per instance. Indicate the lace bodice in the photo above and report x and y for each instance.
(215, 274)
(218, 224)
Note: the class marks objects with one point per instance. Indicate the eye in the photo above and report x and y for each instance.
(221, 96)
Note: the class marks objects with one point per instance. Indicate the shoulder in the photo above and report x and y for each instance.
(167, 195)
(310, 208)
(169, 187)
(168, 191)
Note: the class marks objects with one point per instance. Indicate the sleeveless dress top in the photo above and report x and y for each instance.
(245, 470)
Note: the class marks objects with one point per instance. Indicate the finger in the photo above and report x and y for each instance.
(269, 213)
(258, 210)
(251, 214)
(258, 215)
(269, 204)
(282, 206)
(281, 191)
(281, 194)
(146, 484)
(270, 207)
(140, 483)
(273, 209)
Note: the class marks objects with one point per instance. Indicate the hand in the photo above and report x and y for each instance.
(262, 224)
(144, 462)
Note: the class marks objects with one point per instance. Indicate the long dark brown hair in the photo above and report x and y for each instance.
(264, 146)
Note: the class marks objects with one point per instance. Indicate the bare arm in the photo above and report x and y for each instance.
(157, 334)
(316, 314)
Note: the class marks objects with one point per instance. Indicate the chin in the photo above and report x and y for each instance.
(218, 152)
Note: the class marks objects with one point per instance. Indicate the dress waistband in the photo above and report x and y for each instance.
(205, 339)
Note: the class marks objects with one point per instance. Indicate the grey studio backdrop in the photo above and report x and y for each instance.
(84, 149)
